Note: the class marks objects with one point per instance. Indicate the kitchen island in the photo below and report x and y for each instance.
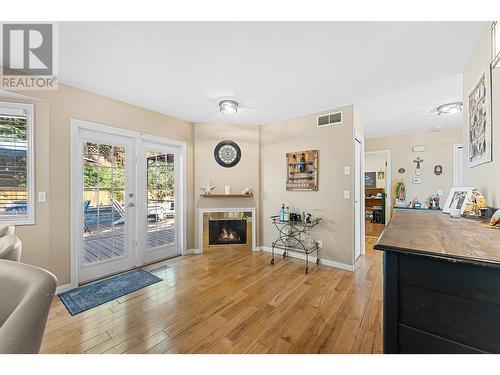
(441, 284)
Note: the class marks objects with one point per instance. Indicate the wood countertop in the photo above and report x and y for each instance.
(437, 234)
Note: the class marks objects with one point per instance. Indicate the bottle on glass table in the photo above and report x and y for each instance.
(286, 216)
(282, 213)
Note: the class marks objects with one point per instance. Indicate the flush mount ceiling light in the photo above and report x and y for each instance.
(228, 106)
(450, 108)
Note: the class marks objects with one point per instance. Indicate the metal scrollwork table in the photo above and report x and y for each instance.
(296, 237)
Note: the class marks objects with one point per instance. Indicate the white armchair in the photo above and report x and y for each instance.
(26, 294)
(11, 248)
(7, 230)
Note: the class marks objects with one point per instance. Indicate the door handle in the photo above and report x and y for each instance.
(131, 204)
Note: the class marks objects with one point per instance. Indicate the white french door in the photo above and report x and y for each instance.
(158, 214)
(107, 185)
(127, 197)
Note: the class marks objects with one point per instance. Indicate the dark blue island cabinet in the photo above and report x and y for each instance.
(441, 284)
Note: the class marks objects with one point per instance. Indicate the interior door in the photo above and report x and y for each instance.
(158, 167)
(108, 199)
(458, 165)
(357, 199)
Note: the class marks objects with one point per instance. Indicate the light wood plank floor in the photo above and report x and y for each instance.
(233, 301)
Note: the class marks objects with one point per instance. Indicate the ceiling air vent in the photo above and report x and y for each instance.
(330, 119)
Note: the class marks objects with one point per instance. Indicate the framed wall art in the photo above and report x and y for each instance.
(370, 179)
(302, 171)
(479, 123)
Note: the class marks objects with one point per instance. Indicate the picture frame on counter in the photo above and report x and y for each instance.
(458, 198)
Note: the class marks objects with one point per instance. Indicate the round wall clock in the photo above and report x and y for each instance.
(227, 153)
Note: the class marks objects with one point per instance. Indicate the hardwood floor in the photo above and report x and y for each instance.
(373, 229)
(232, 301)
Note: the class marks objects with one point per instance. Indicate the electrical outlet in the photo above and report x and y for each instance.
(347, 171)
(347, 194)
(320, 243)
(42, 196)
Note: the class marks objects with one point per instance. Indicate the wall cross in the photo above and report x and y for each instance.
(418, 161)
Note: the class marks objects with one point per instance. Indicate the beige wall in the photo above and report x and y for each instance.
(242, 175)
(485, 177)
(376, 163)
(335, 145)
(47, 243)
(438, 150)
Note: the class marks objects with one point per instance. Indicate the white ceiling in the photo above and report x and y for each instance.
(395, 73)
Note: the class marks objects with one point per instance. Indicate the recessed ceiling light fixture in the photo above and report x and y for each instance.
(228, 106)
(450, 108)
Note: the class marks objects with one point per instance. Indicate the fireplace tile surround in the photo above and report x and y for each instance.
(227, 227)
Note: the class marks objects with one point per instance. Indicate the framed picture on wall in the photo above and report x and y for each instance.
(370, 179)
(479, 122)
(302, 170)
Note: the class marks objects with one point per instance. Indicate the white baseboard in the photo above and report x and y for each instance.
(193, 251)
(64, 288)
(326, 262)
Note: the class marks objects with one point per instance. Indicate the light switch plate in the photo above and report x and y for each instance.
(347, 171)
(347, 194)
(418, 148)
(42, 196)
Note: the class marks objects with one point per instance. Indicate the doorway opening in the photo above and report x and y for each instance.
(377, 194)
(127, 200)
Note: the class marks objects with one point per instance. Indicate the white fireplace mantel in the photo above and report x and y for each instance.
(201, 211)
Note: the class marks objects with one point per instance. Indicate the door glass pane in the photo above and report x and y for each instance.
(160, 197)
(103, 202)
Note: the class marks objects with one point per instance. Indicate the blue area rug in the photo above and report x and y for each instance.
(95, 294)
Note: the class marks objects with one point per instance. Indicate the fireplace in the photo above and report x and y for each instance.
(223, 229)
(227, 231)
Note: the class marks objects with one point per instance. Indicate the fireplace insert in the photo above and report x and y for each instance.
(227, 231)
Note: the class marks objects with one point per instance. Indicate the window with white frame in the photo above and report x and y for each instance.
(16, 163)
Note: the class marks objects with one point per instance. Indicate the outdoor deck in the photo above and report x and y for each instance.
(112, 239)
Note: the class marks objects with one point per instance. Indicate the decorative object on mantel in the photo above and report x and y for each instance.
(479, 124)
(207, 189)
(400, 194)
(457, 199)
(401, 170)
(246, 191)
(302, 171)
(227, 153)
(418, 161)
